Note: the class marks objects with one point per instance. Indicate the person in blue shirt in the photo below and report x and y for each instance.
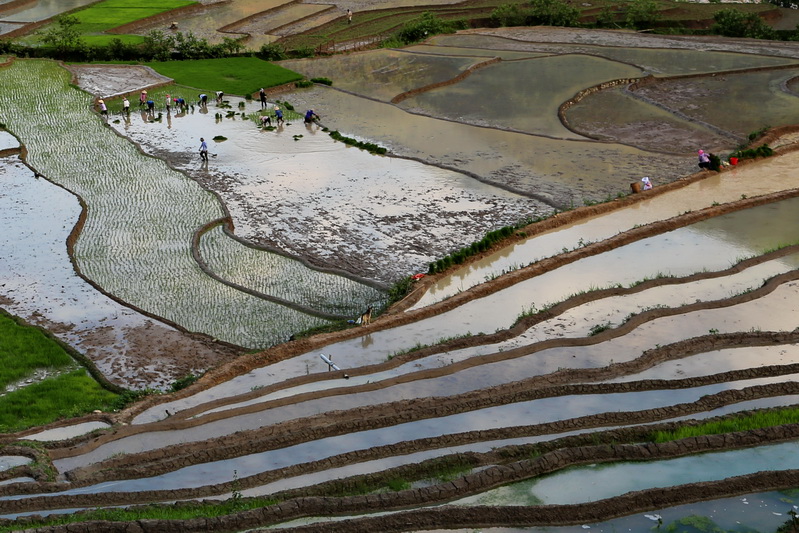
(203, 150)
(310, 116)
(278, 116)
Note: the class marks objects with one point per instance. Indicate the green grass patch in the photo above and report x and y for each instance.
(762, 419)
(112, 13)
(158, 512)
(63, 396)
(24, 349)
(233, 75)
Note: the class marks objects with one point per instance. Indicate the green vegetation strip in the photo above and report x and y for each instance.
(757, 420)
(68, 392)
(155, 512)
(24, 349)
(63, 396)
(232, 75)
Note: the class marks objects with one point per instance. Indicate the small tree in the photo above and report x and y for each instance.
(272, 52)
(607, 18)
(158, 46)
(642, 14)
(553, 13)
(189, 46)
(509, 15)
(733, 23)
(65, 37)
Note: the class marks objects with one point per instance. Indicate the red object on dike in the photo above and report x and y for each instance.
(733, 160)
(417, 277)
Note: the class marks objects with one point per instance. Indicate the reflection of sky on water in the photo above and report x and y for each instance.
(8, 141)
(518, 414)
(780, 219)
(761, 512)
(596, 482)
(664, 254)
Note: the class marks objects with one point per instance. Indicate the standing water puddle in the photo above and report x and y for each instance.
(597, 482)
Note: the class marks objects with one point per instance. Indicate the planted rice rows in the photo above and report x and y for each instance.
(141, 215)
(285, 278)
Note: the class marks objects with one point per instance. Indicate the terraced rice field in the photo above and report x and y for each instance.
(531, 388)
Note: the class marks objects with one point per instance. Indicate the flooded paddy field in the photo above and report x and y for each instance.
(521, 367)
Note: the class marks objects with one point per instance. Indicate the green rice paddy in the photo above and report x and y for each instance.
(232, 75)
(102, 16)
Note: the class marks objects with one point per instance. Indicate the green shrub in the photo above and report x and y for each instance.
(426, 26)
(183, 382)
(272, 52)
(553, 13)
(323, 81)
(303, 84)
(509, 15)
(734, 23)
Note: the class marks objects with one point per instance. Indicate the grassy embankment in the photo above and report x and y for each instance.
(66, 391)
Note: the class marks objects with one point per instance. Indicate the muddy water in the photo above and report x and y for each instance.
(42, 9)
(757, 98)
(719, 361)
(764, 177)
(6, 27)
(616, 310)
(382, 74)
(625, 348)
(770, 313)
(66, 432)
(641, 123)
(666, 61)
(596, 482)
(530, 92)
(446, 50)
(296, 189)
(550, 169)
